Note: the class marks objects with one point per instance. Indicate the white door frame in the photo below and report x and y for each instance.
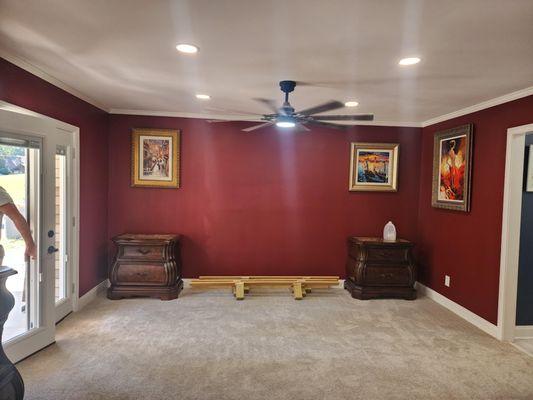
(510, 244)
(38, 126)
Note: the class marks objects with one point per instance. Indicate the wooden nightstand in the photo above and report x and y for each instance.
(146, 265)
(378, 269)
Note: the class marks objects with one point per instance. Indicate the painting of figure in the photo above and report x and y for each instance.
(451, 168)
(373, 166)
(155, 158)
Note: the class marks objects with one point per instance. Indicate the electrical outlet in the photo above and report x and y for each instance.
(447, 280)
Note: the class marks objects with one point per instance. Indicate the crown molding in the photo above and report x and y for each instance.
(480, 106)
(231, 117)
(34, 70)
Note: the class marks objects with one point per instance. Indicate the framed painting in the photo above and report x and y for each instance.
(452, 165)
(155, 158)
(374, 167)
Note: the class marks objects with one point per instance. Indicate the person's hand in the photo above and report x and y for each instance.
(31, 251)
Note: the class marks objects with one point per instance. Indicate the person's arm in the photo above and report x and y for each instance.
(18, 219)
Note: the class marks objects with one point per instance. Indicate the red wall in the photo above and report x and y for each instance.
(26, 90)
(466, 246)
(270, 202)
(277, 203)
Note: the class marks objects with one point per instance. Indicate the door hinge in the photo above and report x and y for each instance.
(40, 277)
(73, 288)
(73, 221)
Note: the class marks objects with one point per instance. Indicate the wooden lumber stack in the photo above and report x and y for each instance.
(299, 285)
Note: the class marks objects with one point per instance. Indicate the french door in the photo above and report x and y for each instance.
(36, 170)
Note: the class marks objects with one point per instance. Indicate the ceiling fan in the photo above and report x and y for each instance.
(286, 117)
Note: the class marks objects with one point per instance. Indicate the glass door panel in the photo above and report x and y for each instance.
(62, 230)
(61, 270)
(19, 176)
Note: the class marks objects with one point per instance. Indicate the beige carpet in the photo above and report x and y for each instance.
(206, 345)
(526, 345)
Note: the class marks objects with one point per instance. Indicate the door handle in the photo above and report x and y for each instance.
(52, 249)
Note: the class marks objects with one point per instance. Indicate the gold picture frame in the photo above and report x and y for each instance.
(374, 167)
(155, 158)
(452, 168)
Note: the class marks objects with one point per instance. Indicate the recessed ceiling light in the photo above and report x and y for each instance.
(351, 104)
(187, 48)
(203, 96)
(409, 61)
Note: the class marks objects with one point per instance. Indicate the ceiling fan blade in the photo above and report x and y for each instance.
(253, 128)
(360, 117)
(271, 104)
(302, 127)
(331, 105)
(327, 125)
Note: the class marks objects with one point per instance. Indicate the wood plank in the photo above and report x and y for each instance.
(202, 277)
(265, 282)
(240, 285)
(239, 290)
(297, 290)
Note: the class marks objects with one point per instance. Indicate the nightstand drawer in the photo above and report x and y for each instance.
(141, 274)
(386, 255)
(144, 252)
(385, 276)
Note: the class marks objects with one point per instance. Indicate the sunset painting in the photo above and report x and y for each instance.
(373, 167)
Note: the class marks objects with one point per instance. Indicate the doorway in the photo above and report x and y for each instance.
(511, 232)
(38, 170)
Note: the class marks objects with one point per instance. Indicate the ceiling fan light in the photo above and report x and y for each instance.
(285, 121)
(351, 103)
(285, 124)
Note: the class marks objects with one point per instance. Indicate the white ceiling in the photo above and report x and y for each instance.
(121, 53)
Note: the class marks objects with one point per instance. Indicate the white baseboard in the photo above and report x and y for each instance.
(462, 312)
(92, 294)
(523, 332)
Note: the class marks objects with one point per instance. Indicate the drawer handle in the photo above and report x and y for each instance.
(387, 275)
(143, 251)
(142, 273)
